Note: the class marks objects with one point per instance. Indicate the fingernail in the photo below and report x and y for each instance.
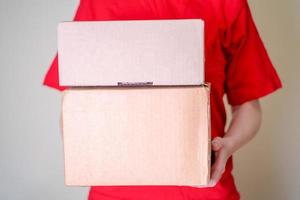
(211, 184)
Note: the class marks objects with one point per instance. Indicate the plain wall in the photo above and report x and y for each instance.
(31, 165)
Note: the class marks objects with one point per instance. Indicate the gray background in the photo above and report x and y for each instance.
(31, 165)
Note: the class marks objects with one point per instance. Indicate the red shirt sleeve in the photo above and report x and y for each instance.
(51, 79)
(250, 73)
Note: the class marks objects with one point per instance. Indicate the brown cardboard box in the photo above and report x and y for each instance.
(159, 52)
(136, 135)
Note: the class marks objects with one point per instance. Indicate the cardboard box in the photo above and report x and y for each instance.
(152, 52)
(136, 135)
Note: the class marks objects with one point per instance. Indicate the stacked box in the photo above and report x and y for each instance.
(136, 111)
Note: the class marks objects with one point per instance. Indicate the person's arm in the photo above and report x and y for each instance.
(246, 120)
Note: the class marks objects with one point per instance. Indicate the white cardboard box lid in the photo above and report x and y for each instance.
(136, 136)
(158, 52)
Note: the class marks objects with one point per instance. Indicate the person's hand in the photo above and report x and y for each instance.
(222, 149)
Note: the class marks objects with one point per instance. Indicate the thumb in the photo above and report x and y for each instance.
(217, 143)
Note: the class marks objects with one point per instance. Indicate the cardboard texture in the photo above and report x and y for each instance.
(136, 135)
(158, 52)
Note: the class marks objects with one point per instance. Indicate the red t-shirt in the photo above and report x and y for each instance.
(236, 64)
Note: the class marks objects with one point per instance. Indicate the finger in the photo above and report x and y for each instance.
(218, 169)
(217, 143)
(216, 176)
